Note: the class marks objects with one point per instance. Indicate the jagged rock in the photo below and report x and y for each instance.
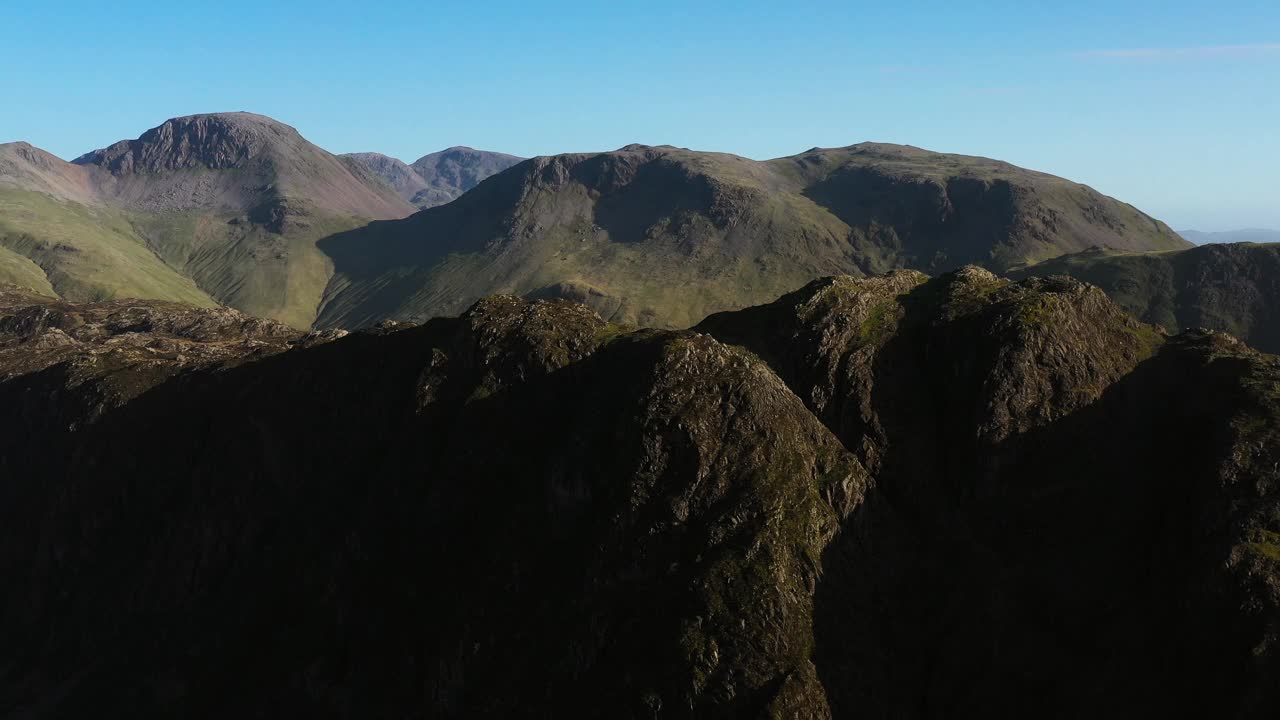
(1053, 502)
(886, 497)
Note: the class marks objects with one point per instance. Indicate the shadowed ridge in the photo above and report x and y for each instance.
(690, 545)
(547, 512)
(1032, 447)
(1230, 287)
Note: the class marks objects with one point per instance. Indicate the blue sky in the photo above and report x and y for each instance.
(1173, 106)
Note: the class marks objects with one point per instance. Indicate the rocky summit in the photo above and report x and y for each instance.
(886, 496)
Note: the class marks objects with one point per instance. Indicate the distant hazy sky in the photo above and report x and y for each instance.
(1173, 106)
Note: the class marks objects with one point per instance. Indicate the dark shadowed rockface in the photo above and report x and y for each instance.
(663, 236)
(884, 497)
(1234, 288)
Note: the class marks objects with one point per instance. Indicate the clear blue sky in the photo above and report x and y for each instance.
(1173, 106)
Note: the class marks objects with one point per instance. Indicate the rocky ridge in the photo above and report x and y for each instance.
(887, 496)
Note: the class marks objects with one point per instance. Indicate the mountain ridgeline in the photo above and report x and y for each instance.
(663, 236)
(239, 210)
(438, 178)
(1249, 235)
(889, 496)
(219, 209)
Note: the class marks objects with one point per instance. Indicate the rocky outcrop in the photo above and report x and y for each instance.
(1058, 498)
(886, 497)
(214, 142)
(233, 161)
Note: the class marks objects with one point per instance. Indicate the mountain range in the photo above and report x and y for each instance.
(664, 236)
(890, 496)
(437, 178)
(1253, 235)
(239, 210)
(220, 209)
(868, 431)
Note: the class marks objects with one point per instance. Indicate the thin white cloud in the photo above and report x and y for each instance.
(1184, 53)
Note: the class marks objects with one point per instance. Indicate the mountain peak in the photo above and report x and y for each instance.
(30, 153)
(26, 166)
(375, 157)
(215, 141)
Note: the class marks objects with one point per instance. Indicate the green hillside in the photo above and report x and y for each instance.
(241, 210)
(206, 209)
(664, 236)
(83, 253)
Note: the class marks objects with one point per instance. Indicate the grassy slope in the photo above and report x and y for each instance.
(665, 236)
(17, 269)
(201, 258)
(279, 276)
(84, 253)
(657, 236)
(646, 254)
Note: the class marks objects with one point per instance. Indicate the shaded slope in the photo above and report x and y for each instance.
(932, 211)
(1067, 509)
(911, 498)
(664, 236)
(701, 589)
(1233, 288)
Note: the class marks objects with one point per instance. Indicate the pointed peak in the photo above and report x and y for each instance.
(211, 140)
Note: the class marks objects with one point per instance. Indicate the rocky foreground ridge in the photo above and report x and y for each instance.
(879, 497)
